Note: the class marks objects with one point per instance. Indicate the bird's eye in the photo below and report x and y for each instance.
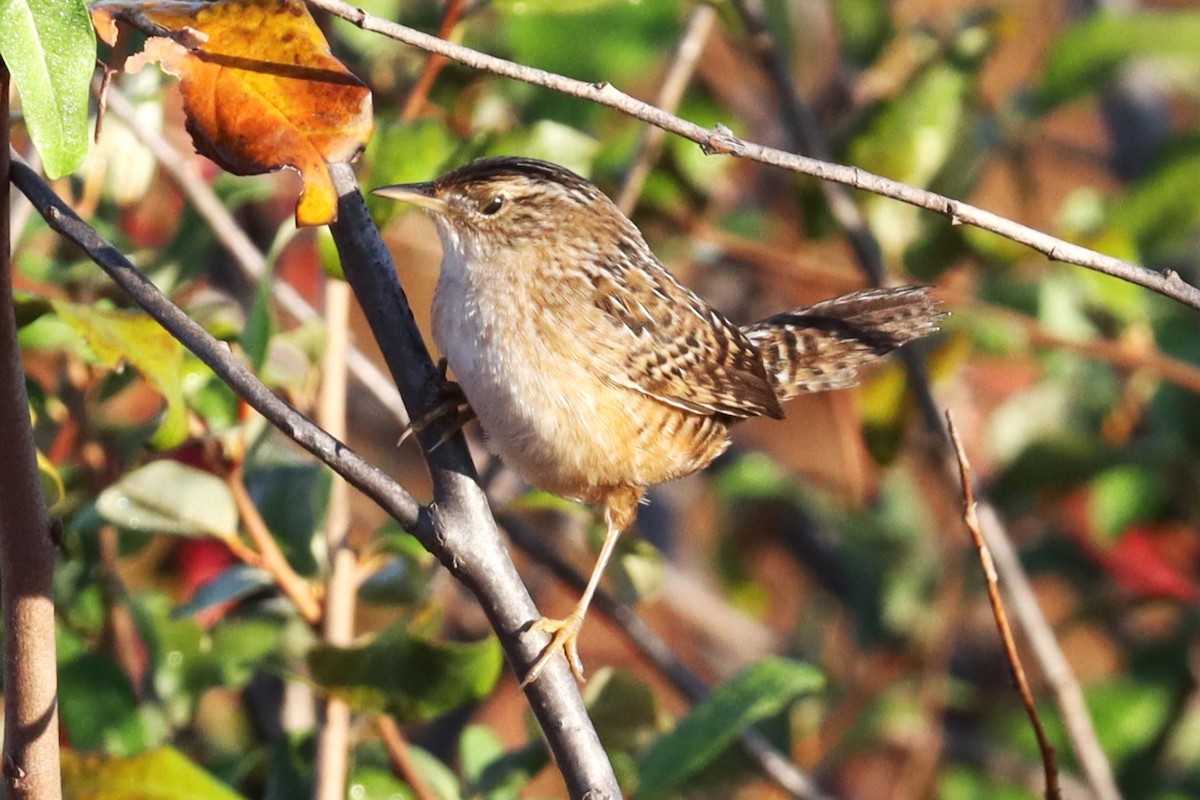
(492, 206)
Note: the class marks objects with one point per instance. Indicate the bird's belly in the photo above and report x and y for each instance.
(563, 428)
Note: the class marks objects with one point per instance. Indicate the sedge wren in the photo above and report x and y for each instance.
(596, 374)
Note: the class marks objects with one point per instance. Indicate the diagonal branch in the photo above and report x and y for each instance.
(468, 542)
(245, 254)
(457, 528)
(720, 140)
(1080, 730)
(971, 520)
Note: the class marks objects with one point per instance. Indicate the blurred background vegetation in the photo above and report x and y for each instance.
(831, 538)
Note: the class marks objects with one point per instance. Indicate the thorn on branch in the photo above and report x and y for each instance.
(951, 211)
(13, 773)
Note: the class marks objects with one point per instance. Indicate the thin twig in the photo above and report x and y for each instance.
(245, 254)
(1115, 353)
(433, 65)
(805, 136)
(971, 520)
(773, 763)
(720, 140)
(270, 558)
(402, 763)
(1055, 667)
(1045, 647)
(333, 740)
(457, 528)
(683, 66)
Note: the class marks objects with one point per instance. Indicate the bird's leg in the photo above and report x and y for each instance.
(620, 510)
(453, 407)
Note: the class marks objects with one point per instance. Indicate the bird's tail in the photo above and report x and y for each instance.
(819, 347)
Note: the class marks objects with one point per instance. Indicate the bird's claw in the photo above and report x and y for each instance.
(454, 408)
(564, 637)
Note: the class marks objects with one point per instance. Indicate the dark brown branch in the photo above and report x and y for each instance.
(721, 140)
(457, 528)
(971, 520)
(27, 554)
(468, 543)
(773, 763)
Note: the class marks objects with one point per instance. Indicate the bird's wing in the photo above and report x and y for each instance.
(675, 348)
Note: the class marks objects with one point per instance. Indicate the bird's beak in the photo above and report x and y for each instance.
(419, 194)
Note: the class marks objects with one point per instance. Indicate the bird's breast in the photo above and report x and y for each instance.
(530, 376)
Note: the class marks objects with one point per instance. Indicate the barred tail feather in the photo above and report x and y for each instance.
(820, 347)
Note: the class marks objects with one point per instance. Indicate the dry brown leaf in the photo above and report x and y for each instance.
(261, 89)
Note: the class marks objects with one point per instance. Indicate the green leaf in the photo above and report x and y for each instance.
(640, 570)
(556, 6)
(408, 676)
(171, 498)
(966, 783)
(257, 334)
(50, 48)
(162, 774)
(437, 776)
(491, 772)
(1125, 495)
(98, 705)
(119, 337)
(377, 783)
(1163, 204)
(911, 140)
(759, 691)
(291, 492)
(237, 582)
(1085, 56)
(241, 647)
(53, 488)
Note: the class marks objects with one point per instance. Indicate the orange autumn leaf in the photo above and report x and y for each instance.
(260, 88)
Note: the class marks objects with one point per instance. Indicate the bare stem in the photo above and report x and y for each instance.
(683, 66)
(245, 254)
(397, 747)
(720, 140)
(433, 65)
(27, 554)
(333, 742)
(457, 528)
(971, 520)
(270, 558)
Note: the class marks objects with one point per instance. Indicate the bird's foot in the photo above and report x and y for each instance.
(453, 408)
(564, 637)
